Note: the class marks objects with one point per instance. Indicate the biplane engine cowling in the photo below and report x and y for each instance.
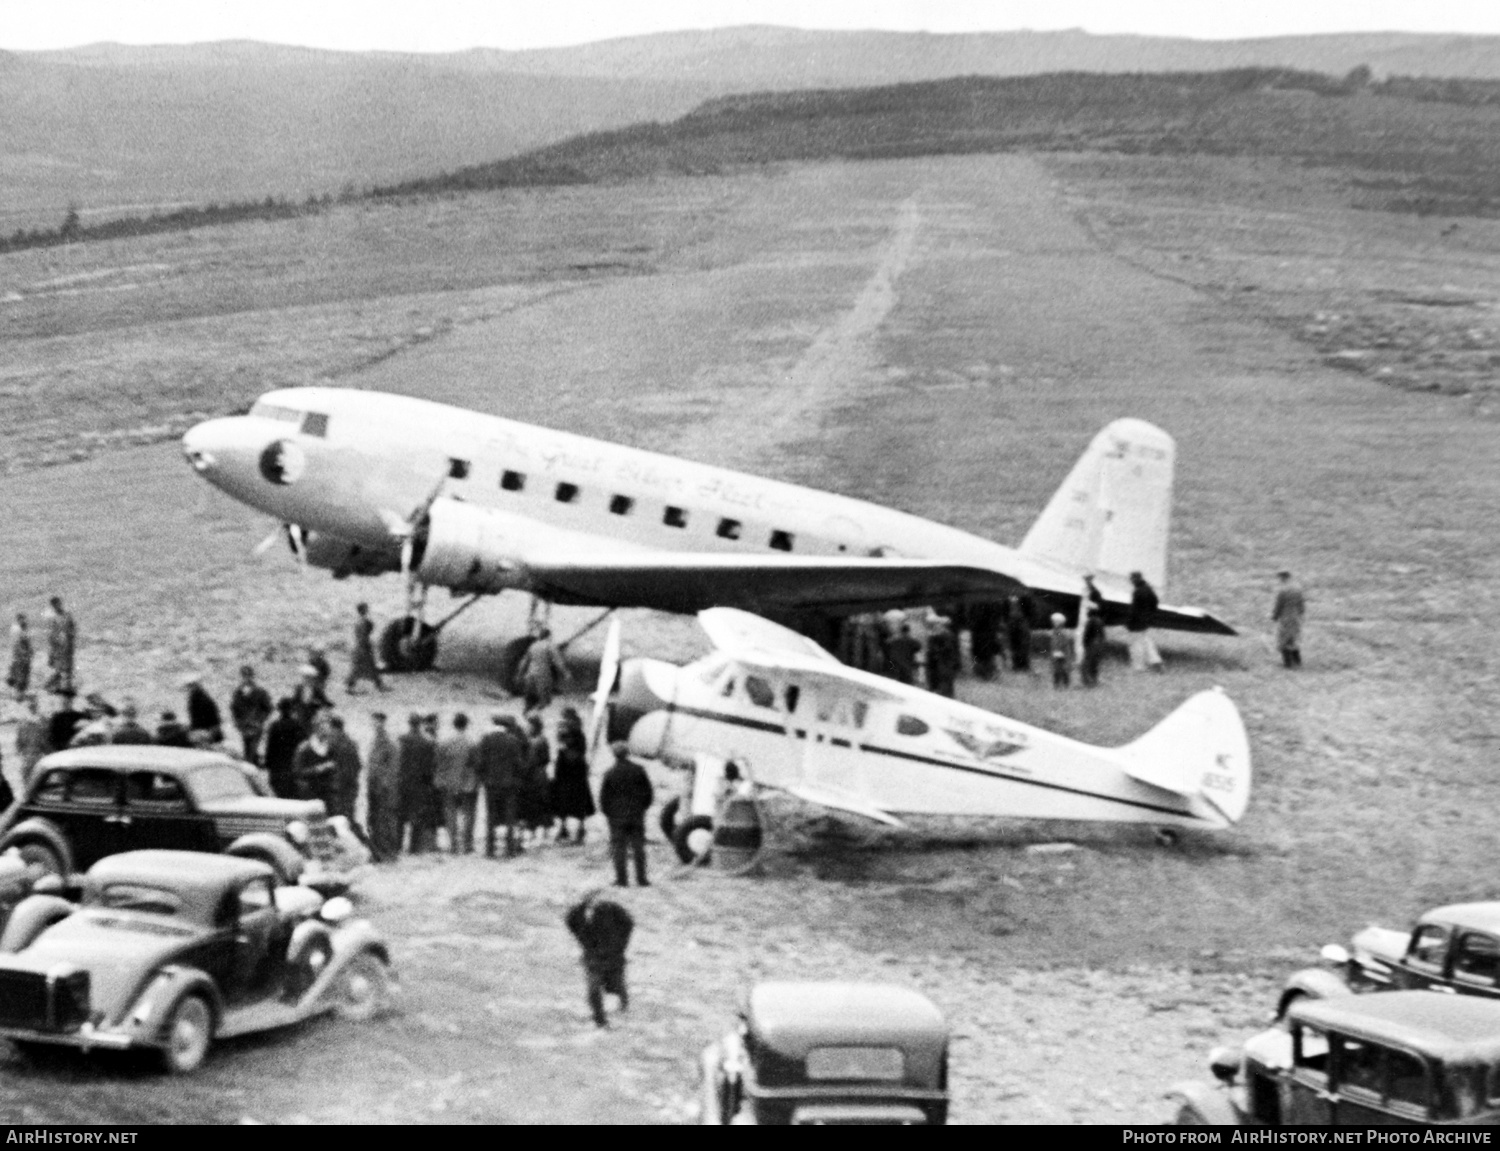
(471, 549)
(343, 558)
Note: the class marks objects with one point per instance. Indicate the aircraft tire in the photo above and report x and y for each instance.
(667, 820)
(680, 838)
(510, 662)
(406, 645)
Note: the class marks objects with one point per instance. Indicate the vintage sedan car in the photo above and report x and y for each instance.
(88, 803)
(1453, 949)
(829, 1053)
(169, 950)
(1407, 1057)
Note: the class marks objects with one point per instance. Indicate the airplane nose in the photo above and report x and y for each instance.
(634, 699)
(196, 447)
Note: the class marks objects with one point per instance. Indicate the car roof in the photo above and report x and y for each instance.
(186, 872)
(793, 1018)
(169, 760)
(1484, 916)
(1453, 1028)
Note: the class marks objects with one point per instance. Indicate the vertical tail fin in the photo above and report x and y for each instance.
(1200, 751)
(1114, 511)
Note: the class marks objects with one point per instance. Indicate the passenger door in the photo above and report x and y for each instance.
(1476, 964)
(259, 941)
(1308, 1098)
(1425, 963)
(158, 813)
(87, 810)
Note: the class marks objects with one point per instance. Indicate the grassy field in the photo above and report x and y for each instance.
(1031, 304)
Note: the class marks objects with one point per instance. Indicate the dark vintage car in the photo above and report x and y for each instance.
(829, 1053)
(1450, 949)
(87, 803)
(1408, 1057)
(169, 950)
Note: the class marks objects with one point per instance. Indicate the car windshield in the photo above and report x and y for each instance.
(219, 781)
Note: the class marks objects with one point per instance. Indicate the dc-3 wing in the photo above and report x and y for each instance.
(690, 582)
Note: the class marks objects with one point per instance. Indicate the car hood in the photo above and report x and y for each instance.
(1382, 943)
(119, 951)
(267, 807)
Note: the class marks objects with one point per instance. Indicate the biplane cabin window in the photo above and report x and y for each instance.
(458, 469)
(621, 505)
(729, 529)
(911, 725)
(566, 493)
(792, 695)
(674, 518)
(728, 688)
(760, 692)
(841, 712)
(861, 712)
(781, 541)
(315, 424)
(512, 481)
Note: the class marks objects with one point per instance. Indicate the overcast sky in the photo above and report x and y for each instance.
(451, 25)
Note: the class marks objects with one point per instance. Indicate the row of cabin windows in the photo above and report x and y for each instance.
(762, 694)
(672, 517)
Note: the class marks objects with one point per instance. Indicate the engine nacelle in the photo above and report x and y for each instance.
(471, 549)
(346, 559)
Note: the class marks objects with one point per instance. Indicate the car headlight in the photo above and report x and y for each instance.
(336, 910)
(298, 832)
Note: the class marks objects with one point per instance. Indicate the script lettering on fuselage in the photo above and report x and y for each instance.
(556, 458)
(649, 474)
(730, 492)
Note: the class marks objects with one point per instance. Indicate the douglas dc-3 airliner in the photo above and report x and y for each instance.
(367, 483)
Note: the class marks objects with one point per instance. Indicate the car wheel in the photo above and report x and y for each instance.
(693, 839)
(40, 859)
(1188, 1116)
(667, 820)
(364, 988)
(189, 1034)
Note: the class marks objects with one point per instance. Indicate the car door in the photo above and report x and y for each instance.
(1476, 964)
(1308, 1098)
(1425, 963)
(259, 941)
(158, 813)
(89, 814)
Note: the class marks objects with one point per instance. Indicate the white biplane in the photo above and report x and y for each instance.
(793, 718)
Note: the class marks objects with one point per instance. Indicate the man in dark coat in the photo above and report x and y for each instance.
(64, 722)
(250, 709)
(498, 762)
(602, 928)
(383, 792)
(416, 760)
(1143, 603)
(942, 659)
(362, 663)
(1018, 631)
(205, 725)
(314, 767)
(1286, 614)
(625, 794)
(344, 788)
(129, 729)
(171, 733)
(62, 645)
(283, 736)
(901, 655)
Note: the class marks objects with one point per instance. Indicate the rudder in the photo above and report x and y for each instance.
(1113, 513)
(1201, 751)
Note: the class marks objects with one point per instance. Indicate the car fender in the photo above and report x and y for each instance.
(1312, 983)
(275, 850)
(1211, 1102)
(147, 1017)
(710, 1087)
(47, 832)
(356, 937)
(32, 916)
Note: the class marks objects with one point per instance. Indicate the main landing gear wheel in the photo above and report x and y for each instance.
(694, 839)
(511, 656)
(190, 1031)
(667, 820)
(407, 644)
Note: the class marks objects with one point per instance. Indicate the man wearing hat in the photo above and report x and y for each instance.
(625, 795)
(129, 729)
(498, 759)
(382, 792)
(1286, 614)
(362, 663)
(250, 709)
(63, 724)
(205, 725)
(942, 657)
(1060, 646)
(1143, 604)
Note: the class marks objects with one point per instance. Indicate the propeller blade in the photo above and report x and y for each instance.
(297, 538)
(609, 672)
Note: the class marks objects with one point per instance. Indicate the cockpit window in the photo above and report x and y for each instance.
(315, 424)
(267, 411)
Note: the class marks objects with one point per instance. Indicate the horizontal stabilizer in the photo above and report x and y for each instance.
(841, 800)
(1200, 752)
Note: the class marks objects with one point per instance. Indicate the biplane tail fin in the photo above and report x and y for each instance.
(1201, 752)
(1113, 513)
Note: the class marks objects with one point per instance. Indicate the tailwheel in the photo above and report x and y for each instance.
(694, 839)
(408, 644)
